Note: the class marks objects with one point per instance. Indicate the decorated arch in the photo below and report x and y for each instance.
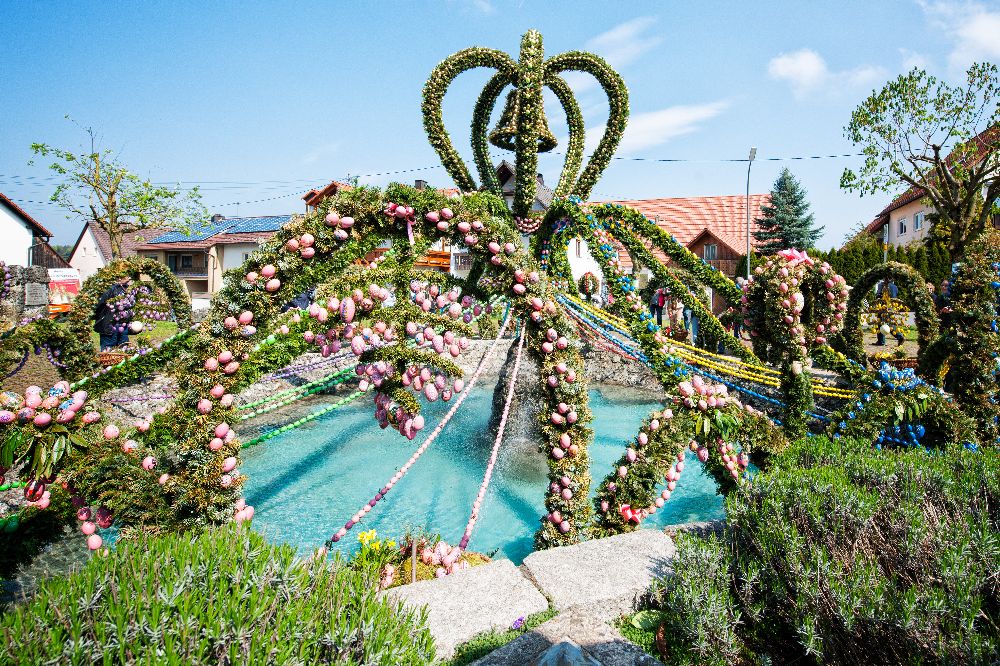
(907, 279)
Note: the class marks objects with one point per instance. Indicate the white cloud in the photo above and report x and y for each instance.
(620, 46)
(485, 6)
(806, 72)
(973, 29)
(913, 59)
(653, 128)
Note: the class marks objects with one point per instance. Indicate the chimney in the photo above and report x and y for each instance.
(541, 179)
(218, 217)
(420, 184)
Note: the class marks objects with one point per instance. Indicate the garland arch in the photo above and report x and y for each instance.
(80, 324)
(907, 278)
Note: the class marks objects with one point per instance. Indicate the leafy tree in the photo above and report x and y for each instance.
(924, 133)
(63, 251)
(922, 263)
(97, 188)
(786, 221)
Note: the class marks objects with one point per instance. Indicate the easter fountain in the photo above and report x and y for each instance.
(184, 461)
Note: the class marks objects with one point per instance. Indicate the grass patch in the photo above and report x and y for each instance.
(486, 642)
(644, 638)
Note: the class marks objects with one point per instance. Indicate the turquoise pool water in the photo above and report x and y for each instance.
(305, 484)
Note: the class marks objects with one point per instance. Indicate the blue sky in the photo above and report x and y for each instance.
(257, 101)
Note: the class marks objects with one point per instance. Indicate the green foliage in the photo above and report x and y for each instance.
(786, 221)
(841, 555)
(223, 596)
(969, 342)
(96, 187)
(902, 130)
(908, 280)
(481, 645)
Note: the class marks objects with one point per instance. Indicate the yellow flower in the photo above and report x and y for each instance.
(366, 537)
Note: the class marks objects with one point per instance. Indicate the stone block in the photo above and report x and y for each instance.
(607, 576)
(472, 601)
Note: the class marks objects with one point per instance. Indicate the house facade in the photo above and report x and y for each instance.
(201, 257)
(92, 250)
(905, 219)
(25, 240)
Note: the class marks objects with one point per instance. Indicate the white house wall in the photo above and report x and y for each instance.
(583, 263)
(87, 258)
(15, 238)
(232, 255)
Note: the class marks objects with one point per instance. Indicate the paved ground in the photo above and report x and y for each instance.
(590, 584)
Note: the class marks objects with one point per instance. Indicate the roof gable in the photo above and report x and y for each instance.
(32, 223)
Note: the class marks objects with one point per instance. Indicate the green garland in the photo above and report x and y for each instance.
(617, 93)
(81, 356)
(909, 281)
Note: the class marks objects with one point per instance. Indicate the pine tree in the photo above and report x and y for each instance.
(786, 222)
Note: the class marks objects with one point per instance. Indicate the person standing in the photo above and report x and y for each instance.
(656, 305)
(113, 315)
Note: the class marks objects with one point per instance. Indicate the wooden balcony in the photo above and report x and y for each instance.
(439, 260)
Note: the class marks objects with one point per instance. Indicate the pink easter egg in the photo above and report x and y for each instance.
(332, 218)
(111, 431)
(268, 271)
(307, 240)
(226, 400)
(163, 478)
(446, 214)
(216, 444)
(225, 480)
(292, 245)
(225, 356)
(94, 541)
(273, 285)
(91, 417)
(148, 463)
(222, 430)
(231, 367)
(217, 391)
(229, 464)
(204, 406)
(308, 252)
(42, 419)
(211, 364)
(251, 277)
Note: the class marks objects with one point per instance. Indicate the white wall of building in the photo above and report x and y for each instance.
(234, 254)
(87, 258)
(15, 238)
(910, 216)
(581, 262)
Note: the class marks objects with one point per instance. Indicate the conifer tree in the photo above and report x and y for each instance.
(786, 222)
(921, 263)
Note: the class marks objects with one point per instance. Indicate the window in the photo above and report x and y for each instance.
(902, 226)
(710, 252)
(578, 244)
(246, 257)
(918, 221)
(187, 261)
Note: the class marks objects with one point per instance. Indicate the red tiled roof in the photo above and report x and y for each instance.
(21, 213)
(983, 141)
(130, 241)
(314, 196)
(687, 218)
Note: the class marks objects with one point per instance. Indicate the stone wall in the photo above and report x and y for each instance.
(27, 293)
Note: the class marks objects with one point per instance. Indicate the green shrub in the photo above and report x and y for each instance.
(36, 529)
(221, 597)
(841, 555)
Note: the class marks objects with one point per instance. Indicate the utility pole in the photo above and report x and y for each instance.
(753, 154)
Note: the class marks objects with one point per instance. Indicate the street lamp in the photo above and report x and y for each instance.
(753, 154)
